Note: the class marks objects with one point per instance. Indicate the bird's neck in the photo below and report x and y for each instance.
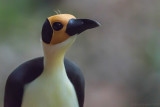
(53, 59)
(54, 56)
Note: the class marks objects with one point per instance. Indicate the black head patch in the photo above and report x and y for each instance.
(47, 32)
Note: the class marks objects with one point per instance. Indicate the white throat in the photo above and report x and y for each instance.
(54, 54)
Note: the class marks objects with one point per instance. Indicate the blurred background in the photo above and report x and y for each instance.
(120, 59)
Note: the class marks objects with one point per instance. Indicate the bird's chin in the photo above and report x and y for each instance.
(60, 46)
(67, 42)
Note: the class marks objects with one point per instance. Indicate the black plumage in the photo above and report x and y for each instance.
(29, 71)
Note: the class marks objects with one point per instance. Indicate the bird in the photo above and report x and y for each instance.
(51, 80)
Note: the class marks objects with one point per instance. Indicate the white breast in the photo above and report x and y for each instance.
(54, 90)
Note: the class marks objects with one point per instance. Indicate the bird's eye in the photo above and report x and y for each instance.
(57, 26)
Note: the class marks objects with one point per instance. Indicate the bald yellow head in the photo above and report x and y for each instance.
(58, 28)
(59, 25)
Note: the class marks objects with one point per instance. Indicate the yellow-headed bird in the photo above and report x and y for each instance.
(52, 80)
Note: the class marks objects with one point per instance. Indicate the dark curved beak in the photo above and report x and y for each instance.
(76, 26)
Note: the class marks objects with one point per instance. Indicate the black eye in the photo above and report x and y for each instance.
(57, 26)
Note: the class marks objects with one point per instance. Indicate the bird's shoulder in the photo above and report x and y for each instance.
(27, 71)
(73, 70)
(31, 69)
